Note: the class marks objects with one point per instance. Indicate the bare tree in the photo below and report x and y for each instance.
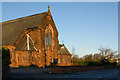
(101, 51)
(87, 57)
(75, 58)
(80, 59)
(104, 52)
(73, 54)
(90, 57)
(96, 57)
(112, 55)
(107, 53)
(73, 51)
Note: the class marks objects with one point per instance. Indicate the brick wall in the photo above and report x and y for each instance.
(37, 58)
(64, 60)
(48, 55)
(26, 58)
(71, 69)
(23, 58)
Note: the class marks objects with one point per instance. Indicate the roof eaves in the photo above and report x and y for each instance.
(22, 18)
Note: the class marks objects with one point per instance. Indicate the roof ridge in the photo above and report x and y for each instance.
(23, 17)
(65, 48)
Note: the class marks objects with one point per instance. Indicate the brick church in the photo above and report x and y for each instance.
(33, 40)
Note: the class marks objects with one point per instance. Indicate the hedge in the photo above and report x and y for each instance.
(93, 63)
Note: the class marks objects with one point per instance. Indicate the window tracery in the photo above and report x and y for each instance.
(48, 37)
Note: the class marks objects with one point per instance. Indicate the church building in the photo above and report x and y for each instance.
(33, 40)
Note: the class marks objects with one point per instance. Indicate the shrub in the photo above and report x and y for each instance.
(94, 63)
(107, 63)
(5, 56)
(87, 63)
(114, 63)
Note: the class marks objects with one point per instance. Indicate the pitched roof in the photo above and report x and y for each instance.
(63, 50)
(13, 28)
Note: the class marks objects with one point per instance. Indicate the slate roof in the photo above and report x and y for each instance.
(13, 28)
(63, 50)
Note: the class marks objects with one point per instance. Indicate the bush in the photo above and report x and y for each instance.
(114, 63)
(94, 63)
(107, 63)
(87, 63)
(5, 56)
(81, 63)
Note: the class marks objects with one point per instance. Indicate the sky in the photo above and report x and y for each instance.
(84, 26)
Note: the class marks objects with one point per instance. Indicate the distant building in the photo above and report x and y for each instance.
(34, 40)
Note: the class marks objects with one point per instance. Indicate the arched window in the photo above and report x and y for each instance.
(48, 37)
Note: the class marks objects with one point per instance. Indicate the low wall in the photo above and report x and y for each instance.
(71, 69)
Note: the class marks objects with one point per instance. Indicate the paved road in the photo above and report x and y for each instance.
(40, 73)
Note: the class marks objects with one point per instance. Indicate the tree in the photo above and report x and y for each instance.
(5, 61)
(73, 54)
(87, 57)
(5, 56)
(101, 52)
(112, 55)
(104, 52)
(90, 58)
(75, 58)
(80, 59)
(96, 57)
(73, 51)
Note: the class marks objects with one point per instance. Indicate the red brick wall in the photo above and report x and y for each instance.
(37, 35)
(64, 60)
(36, 58)
(71, 69)
(27, 58)
(23, 58)
(38, 38)
(48, 55)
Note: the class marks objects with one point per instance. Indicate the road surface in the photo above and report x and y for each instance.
(109, 74)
